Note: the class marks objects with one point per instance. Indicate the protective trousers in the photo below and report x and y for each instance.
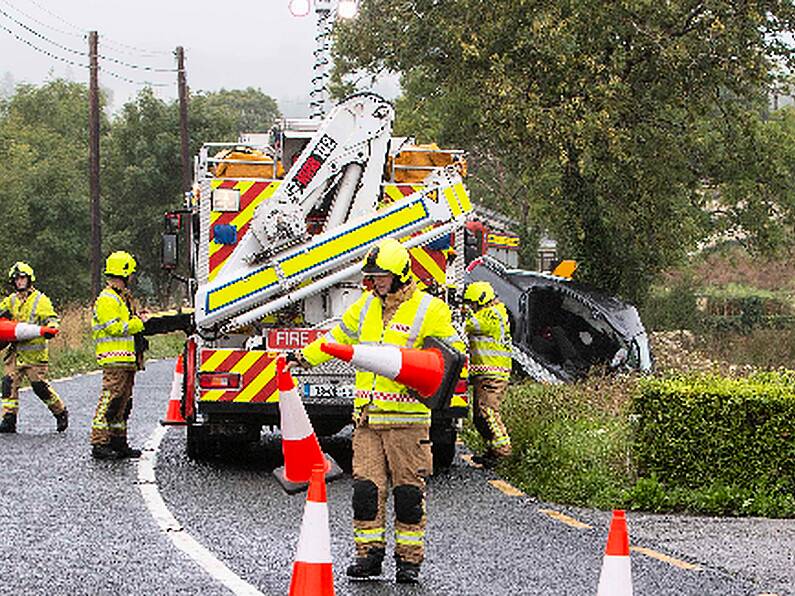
(488, 394)
(403, 457)
(115, 404)
(37, 375)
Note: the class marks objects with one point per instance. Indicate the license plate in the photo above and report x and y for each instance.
(312, 390)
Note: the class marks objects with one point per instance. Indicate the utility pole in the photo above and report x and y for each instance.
(183, 119)
(93, 169)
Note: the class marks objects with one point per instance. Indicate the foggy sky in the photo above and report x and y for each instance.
(245, 43)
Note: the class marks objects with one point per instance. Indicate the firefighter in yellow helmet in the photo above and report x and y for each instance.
(490, 355)
(114, 326)
(391, 443)
(28, 359)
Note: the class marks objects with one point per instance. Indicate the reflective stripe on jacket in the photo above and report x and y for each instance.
(36, 309)
(113, 328)
(420, 316)
(490, 344)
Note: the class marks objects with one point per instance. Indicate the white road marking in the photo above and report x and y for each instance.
(147, 482)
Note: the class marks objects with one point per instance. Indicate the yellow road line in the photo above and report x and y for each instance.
(665, 558)
(568, 520)
(467, 457)
(508, 489)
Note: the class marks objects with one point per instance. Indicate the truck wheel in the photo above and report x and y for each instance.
(443, 454)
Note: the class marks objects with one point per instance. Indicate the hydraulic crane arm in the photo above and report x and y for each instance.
(254, 289)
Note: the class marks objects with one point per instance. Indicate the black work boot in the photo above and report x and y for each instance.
(367, 566)
(62, 421)
(103, 452)
(8, 424)
(488, 460)
(407, 573)
(122, 449)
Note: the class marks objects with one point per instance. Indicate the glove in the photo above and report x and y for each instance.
(49, 334)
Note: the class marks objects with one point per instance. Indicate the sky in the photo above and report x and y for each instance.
(231, 45)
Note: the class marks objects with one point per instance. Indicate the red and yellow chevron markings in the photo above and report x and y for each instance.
(428, 265)
(256, 368)
(252, 193)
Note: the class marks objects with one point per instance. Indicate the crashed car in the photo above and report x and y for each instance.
(560, 328)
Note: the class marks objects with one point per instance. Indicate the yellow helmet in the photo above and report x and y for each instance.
(120, 264)
(479, 292)
(21, 268)
(388, 256)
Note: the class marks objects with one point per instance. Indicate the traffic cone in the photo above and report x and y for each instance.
(174, 410)
(16, 331)
(300, 446)
(616, 576)
(312, 573)
(422, 370)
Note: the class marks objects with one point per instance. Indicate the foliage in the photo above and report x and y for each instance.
(698, 443)
(570, 442)
(627, 107)
(44, 195)
(729, 438)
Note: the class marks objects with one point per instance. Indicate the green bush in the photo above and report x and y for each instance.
(670, 308)
(570, 442)
(728, 443)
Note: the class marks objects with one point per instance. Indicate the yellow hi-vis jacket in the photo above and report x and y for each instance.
(36, 309)
(113, 328)
(490, 344)
(420, 316)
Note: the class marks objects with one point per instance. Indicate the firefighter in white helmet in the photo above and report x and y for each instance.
(391, 443)
(28, 359)
(490, 347)
(114, 326)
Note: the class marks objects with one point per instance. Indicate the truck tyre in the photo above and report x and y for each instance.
(443, 454)
(443, 438)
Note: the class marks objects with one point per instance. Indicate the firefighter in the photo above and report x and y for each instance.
(490, 349)
(114, 326)
(391, 443)
(28, 358)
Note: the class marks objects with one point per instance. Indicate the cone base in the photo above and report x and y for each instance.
(173, 415)
(316, 579)
(293, 488)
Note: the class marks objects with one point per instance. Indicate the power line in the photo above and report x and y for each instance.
(41, 50)
(106, 40)
(110, 73)
(81, 53)
(42, 23)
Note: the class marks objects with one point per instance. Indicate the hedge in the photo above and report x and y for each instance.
(702, 431)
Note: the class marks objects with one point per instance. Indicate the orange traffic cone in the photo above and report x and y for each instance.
(616, 576)
(174, 411)
(16, 331)
(300, 446)
(422, 370)
(312, 573)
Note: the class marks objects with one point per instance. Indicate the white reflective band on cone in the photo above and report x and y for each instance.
(383, 360)
(616, 577)
(294, 420)
(314, 545)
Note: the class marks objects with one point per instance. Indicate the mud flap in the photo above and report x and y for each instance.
(292, 488)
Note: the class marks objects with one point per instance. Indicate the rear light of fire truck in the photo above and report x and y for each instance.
(219, 380)
(460, 387)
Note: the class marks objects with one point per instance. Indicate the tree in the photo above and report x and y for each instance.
(617, 106)
(44, 195)
(141, 173)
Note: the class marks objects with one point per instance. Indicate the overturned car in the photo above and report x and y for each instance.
(561, 329)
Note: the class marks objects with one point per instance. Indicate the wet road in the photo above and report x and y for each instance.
(73, 525)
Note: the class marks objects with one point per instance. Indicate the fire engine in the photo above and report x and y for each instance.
(278, 230)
